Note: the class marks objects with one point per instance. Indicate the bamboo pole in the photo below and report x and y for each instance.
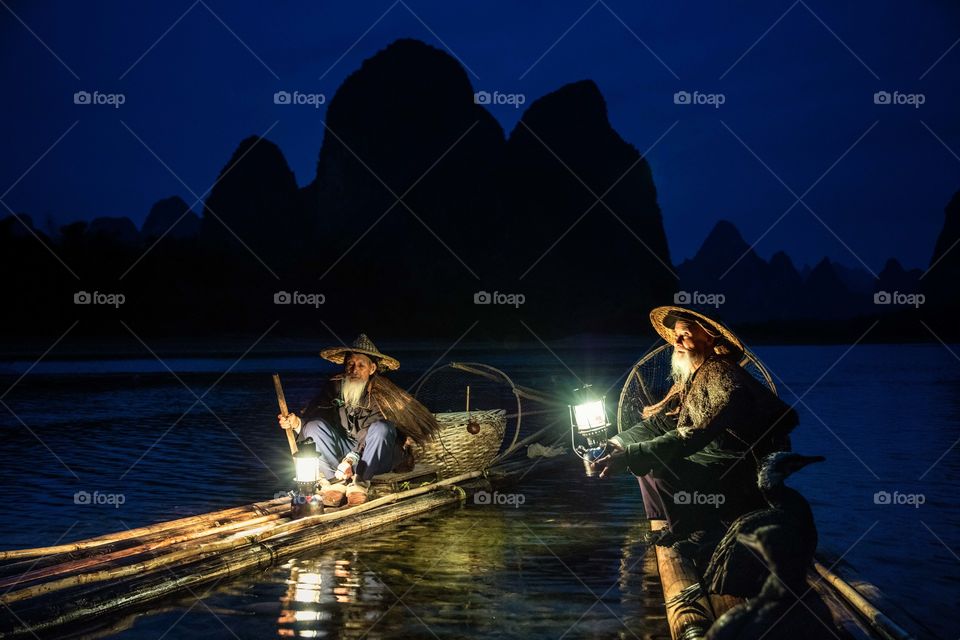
(220, 559)
(16, 568)
(247, 550)
(390, 498)
(64, 609)
(721, 603)
(202, 562)
(883, 625)
(196, 549)
(193, 552)
(692, 621)
(688, 621)
(849, 624)
(257, 508)
(282, 401)
(129, 552)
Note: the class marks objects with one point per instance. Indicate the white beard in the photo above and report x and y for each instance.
(681, 367)
(353, 391)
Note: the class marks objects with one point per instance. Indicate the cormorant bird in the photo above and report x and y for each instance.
(784, 602)
(734, 570)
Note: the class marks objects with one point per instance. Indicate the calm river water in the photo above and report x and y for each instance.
(567, 562)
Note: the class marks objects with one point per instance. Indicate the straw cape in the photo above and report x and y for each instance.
(411, 418)
(665, 318)
(363, 345)
(406, 412)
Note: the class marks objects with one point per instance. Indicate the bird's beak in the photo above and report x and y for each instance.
(805, 460)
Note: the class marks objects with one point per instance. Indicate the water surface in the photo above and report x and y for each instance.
(567, 561)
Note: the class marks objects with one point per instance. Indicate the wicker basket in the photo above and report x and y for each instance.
(455, 450)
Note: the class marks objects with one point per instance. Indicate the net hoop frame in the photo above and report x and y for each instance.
(749, 357)
(485, 371)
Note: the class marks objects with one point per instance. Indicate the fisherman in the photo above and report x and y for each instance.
(362, 424)
(696, 452)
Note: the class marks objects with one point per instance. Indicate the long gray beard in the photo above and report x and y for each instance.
(353, 391)
(681, 368)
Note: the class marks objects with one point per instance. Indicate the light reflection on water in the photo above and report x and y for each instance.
(882, 416)
(569, 561)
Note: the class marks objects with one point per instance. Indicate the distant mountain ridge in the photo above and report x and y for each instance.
(754, 290)
(422, 216)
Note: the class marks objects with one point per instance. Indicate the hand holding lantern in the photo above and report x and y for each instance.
(588, 421)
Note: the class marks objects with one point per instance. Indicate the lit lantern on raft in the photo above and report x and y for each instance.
(588, 424)
(305, 502)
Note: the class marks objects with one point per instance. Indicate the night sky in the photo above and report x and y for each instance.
(797, 78)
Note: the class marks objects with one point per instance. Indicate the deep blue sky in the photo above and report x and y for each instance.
(799, 98)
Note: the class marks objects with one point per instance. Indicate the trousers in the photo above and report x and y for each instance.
(379, 454)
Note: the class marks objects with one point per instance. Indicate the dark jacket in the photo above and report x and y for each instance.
(726, 415)
(328, 406)
(382, 401)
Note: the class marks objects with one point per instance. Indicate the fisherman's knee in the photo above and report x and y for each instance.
(319, 430)
(381, 430)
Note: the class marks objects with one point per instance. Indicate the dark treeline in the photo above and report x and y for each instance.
(420, 201)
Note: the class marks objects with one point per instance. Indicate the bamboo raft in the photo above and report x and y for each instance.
(74, 587)
(49, 591)
(853, 602)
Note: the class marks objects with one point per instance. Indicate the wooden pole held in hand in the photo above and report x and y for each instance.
(282, 401)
